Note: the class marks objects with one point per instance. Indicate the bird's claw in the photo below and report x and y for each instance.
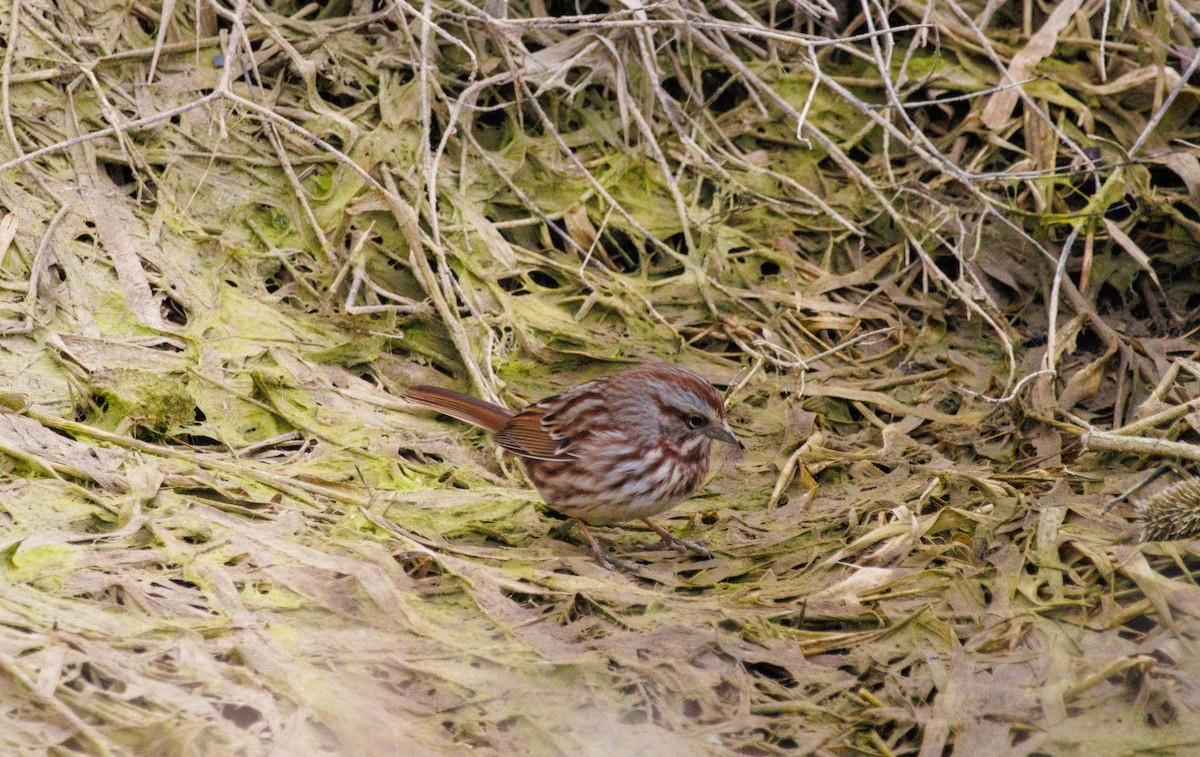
(674, 542)
(686, 546)
(616, 563)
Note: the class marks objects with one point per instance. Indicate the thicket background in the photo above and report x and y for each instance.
(943, 257)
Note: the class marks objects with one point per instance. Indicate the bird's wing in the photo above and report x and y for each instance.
(533, 432)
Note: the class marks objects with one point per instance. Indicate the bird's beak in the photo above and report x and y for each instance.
(722, 434)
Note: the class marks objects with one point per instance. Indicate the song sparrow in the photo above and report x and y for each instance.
(625, 446)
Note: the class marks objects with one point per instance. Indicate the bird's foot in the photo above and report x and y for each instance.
(671, 541)
(613, 562)
(609, 561)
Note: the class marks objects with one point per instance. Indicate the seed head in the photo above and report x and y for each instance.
(1173, 513)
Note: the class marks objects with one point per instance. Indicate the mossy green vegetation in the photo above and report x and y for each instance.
(249, 227)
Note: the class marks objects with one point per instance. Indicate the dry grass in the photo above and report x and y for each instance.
(945, 261)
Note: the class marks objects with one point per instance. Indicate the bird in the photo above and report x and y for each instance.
(626, 446)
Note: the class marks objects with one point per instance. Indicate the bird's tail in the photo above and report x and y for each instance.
(461, 406)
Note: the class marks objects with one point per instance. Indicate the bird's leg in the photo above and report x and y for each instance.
(674, 542)
(608, 561)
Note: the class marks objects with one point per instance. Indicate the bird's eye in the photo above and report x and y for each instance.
(695, 421)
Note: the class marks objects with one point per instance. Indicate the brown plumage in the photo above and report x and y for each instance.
(461, 406)
(626, 446)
